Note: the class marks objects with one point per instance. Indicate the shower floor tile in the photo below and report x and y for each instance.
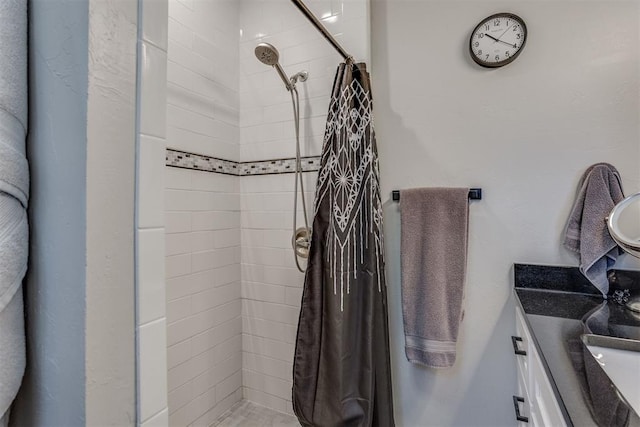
(247, 414)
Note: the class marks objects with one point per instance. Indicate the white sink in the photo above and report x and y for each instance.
(620, 360)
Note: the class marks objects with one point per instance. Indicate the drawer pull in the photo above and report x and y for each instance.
(514, 341)
(516, 407)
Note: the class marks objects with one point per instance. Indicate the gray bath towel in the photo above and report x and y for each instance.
(434, 258)
(600, 189)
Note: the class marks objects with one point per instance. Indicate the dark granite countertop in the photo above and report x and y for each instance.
(560, 305)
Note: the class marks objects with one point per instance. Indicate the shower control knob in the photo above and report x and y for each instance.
(301, 242)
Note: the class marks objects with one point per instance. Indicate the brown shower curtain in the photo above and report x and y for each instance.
(341, 373)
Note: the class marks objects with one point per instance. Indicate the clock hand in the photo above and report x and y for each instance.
(498, 40)
(505, 31)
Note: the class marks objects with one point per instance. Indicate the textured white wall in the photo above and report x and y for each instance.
(111, 127)
(524, 133)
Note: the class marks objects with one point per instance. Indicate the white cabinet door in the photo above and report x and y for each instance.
(521, 401)
(544, 400)
(540, 407)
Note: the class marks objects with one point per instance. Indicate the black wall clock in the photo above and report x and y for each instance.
(498, 40)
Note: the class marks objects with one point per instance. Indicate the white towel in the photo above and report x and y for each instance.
(14, 193)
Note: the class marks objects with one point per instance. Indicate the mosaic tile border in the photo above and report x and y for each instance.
(309, 164)
(184, 160)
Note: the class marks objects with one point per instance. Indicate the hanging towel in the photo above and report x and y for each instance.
(434, 224)
(599, 190)
(14, 191)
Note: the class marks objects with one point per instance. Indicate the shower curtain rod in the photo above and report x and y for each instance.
(327, 35)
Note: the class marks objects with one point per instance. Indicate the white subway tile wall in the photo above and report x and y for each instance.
(203, 294)
(202, 78)
(151, 275)
(271, 286)
(153, 23)
(153, 87)
(150, 222)
(158, 420)
(150, 192)
(152, 369)
(202, 213)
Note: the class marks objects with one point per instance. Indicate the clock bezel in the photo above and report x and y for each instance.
(505, 61)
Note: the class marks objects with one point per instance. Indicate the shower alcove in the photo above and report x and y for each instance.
(215, 198)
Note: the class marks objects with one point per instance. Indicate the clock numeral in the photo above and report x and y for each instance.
(496, 23)
(476, 44)
(518, 36)
(480, 35)
(486, 27)
(507, 54)
(515, 28)
(487, 57)
(497, 57)
(480, 52)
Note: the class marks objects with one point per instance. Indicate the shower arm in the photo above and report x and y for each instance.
(327, 35)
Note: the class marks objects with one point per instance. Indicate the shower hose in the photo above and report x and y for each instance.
(295, 100)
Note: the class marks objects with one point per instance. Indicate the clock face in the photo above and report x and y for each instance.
(498, 40)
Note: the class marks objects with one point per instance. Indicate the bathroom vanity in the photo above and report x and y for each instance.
(561, 378)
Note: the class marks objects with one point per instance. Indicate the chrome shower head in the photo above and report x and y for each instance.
(268, 55)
